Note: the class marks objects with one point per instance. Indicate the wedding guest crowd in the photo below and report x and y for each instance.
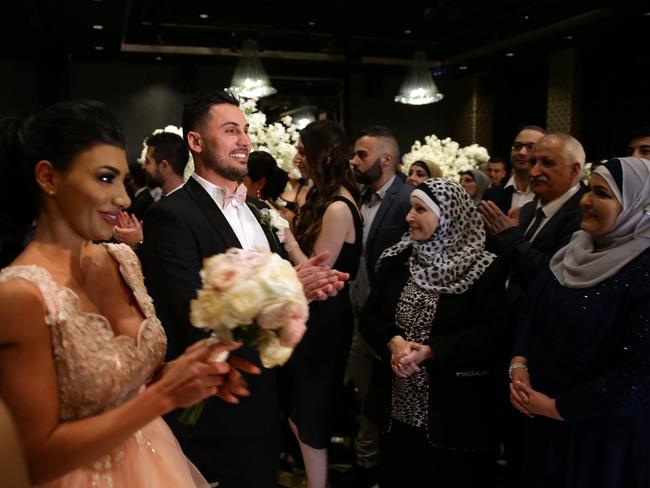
(504, 315)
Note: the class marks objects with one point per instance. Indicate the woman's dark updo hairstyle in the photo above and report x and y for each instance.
(328, 158)
(262, 165)
(56, 134)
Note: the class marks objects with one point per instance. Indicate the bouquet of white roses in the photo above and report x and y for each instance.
(253, 297)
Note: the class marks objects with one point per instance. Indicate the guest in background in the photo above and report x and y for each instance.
(498, 169)
(435, 322)
(582, 358)
(81, 349)
(639, 143)
(328, 221)
(265, 181)
(165, 161)
(421, 170)
(384, 204)
(517, 191)
(475, 182)
(164, 165)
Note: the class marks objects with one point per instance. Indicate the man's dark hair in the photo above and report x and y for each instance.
(376, 131)
(169, 147)
(639, 132)
(197, 108)
(500, 159)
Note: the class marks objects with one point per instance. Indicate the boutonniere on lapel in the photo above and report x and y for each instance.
(271, 219)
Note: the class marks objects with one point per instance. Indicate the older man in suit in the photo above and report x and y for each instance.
(544, 226)
(207, 216)
(384, 205)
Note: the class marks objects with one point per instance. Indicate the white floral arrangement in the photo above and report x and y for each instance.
(278, 139)
(252, 297)
(447, 154)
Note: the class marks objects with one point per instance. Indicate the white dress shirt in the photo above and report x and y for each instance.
(241, 219)
(551, 208)
(519, 198)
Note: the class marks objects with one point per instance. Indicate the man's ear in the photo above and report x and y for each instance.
(46, 177)
(194, 141)
(386, 160)
(575, 171)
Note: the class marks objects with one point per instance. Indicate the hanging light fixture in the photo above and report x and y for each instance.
(250, 79)
(418, 87)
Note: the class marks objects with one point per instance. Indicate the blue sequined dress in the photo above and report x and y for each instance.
(589, 349)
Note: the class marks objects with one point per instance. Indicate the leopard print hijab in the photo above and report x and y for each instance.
(455, 256)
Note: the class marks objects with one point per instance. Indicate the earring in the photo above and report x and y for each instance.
(259, 194)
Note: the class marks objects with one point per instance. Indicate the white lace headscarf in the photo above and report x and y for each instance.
(454, 257)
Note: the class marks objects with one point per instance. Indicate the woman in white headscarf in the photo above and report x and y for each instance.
(582, 364)
(435, 322)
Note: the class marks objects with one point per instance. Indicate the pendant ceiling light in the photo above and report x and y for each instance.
(418, 87)
(250, 79)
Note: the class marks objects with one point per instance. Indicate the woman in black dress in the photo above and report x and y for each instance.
(328, 221)
(581, 369)
(435, 322)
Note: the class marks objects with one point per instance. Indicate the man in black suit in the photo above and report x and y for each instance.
(545, 225)
(236, 445)
(516, 192)
(384, 205)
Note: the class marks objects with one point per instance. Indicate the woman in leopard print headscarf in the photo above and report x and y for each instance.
(435, 322)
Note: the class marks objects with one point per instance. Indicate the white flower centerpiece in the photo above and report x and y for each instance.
(447, 154)
(252, 297)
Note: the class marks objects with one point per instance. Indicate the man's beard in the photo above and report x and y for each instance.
(371, 175)
(222, 168)
(154, 181)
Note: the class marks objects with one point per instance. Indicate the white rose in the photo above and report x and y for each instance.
(242, 303)
(272, 353)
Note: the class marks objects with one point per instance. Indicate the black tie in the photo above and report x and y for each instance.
(539, 216)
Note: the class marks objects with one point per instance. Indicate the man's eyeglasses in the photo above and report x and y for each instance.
(518, 146)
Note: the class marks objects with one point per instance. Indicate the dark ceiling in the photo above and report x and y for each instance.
(451, 32)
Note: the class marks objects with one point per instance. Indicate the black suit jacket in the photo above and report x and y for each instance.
(181, 231)
(389, 223)
(526, 259)
(501, 196)
(141, 204)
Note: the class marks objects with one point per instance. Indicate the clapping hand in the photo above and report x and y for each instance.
(494, 219)
(128, 229)
(319, 281)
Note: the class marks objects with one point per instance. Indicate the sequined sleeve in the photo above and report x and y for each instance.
(626, 384)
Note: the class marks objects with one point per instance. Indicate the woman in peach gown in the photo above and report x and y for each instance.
(81, 350)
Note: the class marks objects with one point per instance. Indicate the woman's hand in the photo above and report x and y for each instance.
(406, 355)
(538, 403)
(519, 398)
(193, 376)
(128, 229)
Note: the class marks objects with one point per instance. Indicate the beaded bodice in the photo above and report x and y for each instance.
(96, 369)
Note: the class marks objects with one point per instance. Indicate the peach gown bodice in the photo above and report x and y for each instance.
(97, 370)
